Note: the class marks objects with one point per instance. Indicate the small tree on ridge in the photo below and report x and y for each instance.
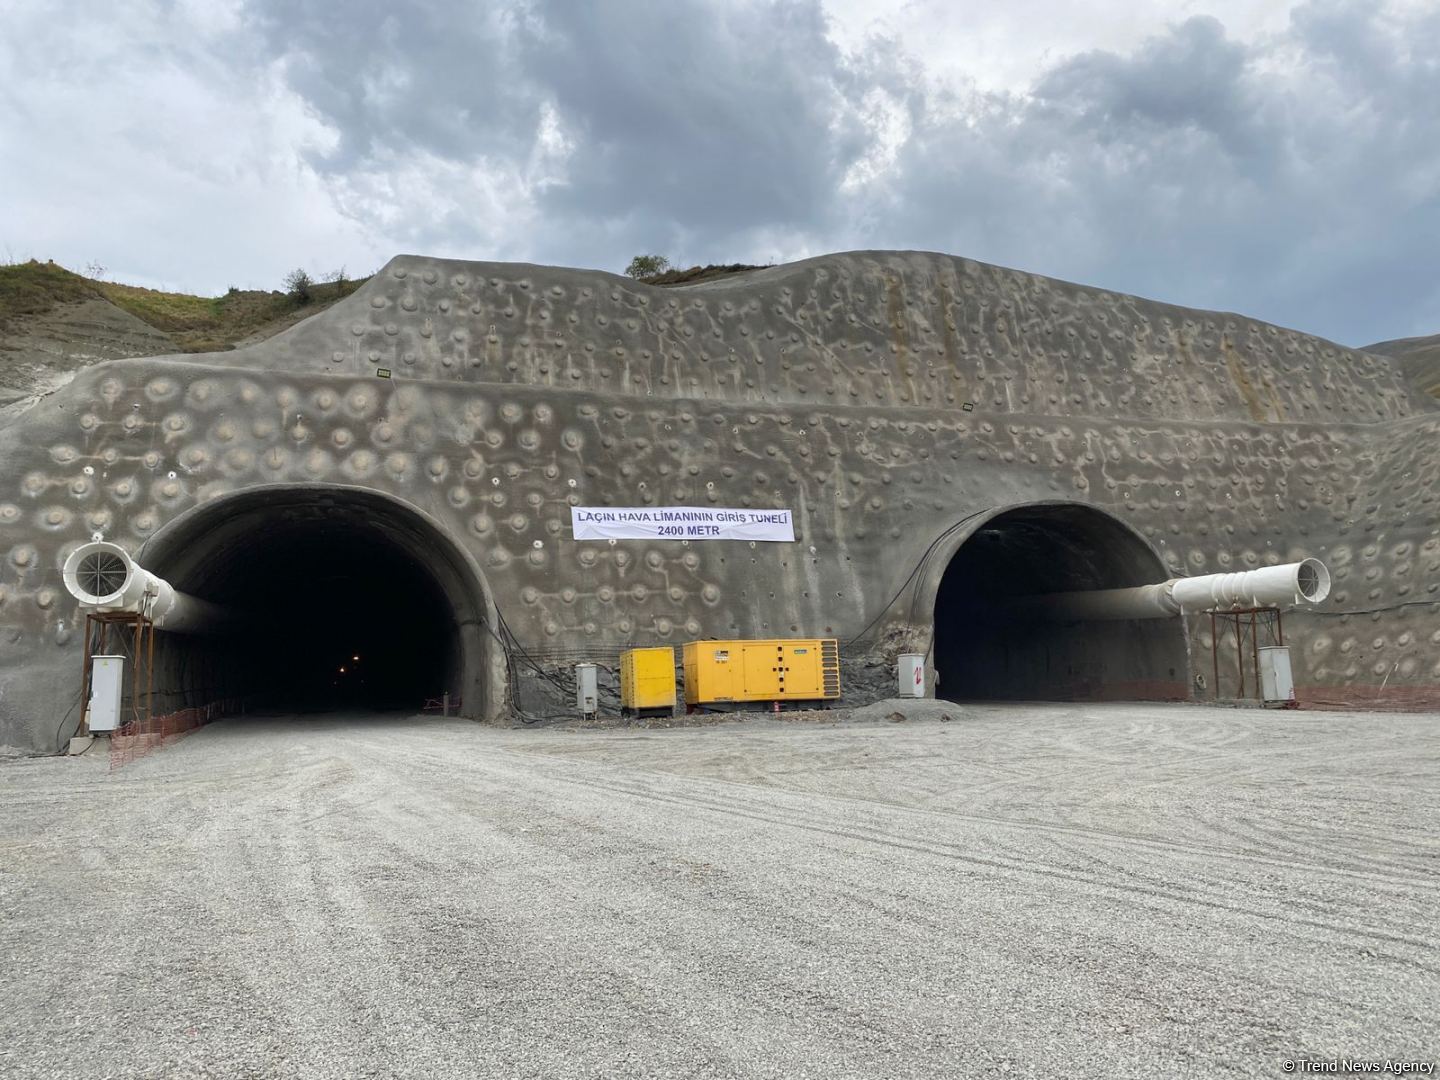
(643, 267)
(298, 284)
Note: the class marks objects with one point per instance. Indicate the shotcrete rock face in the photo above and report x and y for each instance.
(394, 477)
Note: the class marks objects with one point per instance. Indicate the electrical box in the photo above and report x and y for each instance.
(1276, 681)
(587, 693)
(647, 680)
(789, 669)
(912, 675)
(107, 685)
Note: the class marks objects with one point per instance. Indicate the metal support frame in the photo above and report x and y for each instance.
(140, 653)
(1251, 621)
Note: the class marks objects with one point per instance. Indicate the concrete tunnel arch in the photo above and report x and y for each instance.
(977, 651)
(320, 566)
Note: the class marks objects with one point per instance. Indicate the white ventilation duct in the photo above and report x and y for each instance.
(104, 578)
(1305, 582)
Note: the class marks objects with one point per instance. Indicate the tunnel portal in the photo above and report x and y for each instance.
(450, 415)
(345, 599)
(983, 651)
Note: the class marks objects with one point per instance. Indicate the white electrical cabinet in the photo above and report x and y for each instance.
(912, 675)
(107, 685)
(587, 695)
(1276, 681)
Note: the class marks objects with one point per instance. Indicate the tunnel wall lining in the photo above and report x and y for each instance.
(177, 551)
(951, 546)
(834, 387)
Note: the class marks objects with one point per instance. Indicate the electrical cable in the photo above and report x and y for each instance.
(515, 642)
(1375, 610)
(510, 648)
(60, 742)
(919, 566)
(525, 717)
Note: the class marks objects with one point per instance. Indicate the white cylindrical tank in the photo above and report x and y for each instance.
(103, 577)
(1304, 582)
(587, 694)
(911, 675)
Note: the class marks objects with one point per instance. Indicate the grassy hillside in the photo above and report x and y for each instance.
(33, 288)
(211, 323)
(196, 323)
(698, 273)
(216, 323)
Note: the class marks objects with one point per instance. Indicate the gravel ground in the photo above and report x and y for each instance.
(1120, 890)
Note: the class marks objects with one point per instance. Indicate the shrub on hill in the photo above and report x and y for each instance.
(33, 288)
(196, 323)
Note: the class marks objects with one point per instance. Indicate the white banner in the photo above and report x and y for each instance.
(680, 523)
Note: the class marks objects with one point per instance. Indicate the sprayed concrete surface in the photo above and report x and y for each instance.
(1131, 890)
(912, 411)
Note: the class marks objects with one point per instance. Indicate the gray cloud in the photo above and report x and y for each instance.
(1192, 79)
(1295, 177)
(1297, 180)
(698, 121)
(431, 75)
(719, 119)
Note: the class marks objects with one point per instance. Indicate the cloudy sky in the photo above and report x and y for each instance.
(1274, 158)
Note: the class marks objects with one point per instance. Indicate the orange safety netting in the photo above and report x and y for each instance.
(134, 740)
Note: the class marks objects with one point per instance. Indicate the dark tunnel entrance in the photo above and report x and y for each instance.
(348, 600)
(349, 619)
(983, 651)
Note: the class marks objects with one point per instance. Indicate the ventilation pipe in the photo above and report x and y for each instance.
(103, 577)
(1305, 582)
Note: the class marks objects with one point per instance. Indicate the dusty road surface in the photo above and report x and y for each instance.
(1026, 891)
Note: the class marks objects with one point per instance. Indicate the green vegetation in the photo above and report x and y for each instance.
(215, 323)
(196, 323)
(33, 288)
(656, 270)
(210, 324)
(645, 267)
(699, 273)
(298, 284)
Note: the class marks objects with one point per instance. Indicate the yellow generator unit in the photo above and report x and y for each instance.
(647, 681)
(794, 669)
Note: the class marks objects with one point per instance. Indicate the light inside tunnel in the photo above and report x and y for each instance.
(320, 587)
(981, 651)
(321, 577)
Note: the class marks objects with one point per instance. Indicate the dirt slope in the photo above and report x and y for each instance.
(40, 353)
(53, 323)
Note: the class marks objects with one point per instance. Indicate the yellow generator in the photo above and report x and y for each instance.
(794, 669)
(647, 681)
